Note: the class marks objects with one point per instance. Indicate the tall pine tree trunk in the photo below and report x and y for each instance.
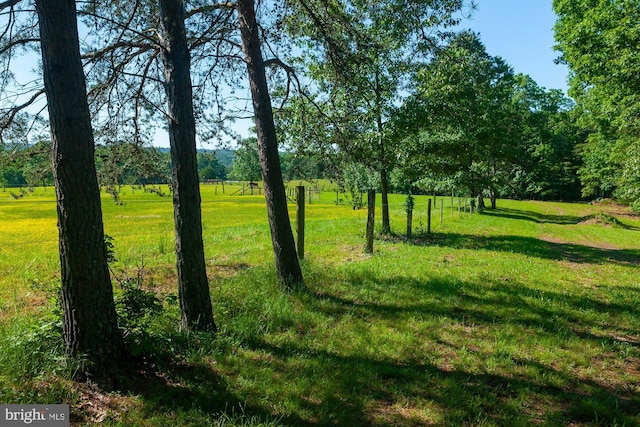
(89, 317)
(193, 285)
(284, 248)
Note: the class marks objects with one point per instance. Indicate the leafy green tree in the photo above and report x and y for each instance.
(11, 176)
(296, 166)
(361, 56)
(357, 179)
(598, 41)
(549, 138)
(209, 167)
(462, 118)
(246, 163)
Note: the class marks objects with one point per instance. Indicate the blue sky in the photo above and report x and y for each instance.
(521, 32)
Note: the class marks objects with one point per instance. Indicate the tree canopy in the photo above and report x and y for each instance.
(599, 42)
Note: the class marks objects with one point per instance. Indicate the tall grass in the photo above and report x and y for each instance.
(524, 315)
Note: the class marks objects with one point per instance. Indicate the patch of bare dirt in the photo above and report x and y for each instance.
(230, 269)
(596, 245)
(594, 220)
(611, 207)
(94, 406)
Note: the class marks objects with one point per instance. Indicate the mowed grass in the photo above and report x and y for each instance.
(527, 315)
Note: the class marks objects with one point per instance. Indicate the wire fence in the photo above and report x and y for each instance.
(443, 209)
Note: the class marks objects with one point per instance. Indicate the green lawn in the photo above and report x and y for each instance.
(527, 315)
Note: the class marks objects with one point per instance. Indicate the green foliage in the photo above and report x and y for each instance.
(463, 117)
(210, 167)
(549, 136)
(12, 176)
(598, 42)
(34, 349)
(128, 163)
(109, 248)
(409, 203)
(357, 179)
(473, 124)
(359, 57)
(137, 308)
(26, 165)
(246, 163)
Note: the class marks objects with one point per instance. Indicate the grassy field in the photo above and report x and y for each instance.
(526, 315)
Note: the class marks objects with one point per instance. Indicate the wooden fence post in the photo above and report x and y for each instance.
(409, 204)
(429, 218)
(371, 215)
(441, 211)
(452, 203)
(300, 221)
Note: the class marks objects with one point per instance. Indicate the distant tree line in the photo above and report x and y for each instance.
(131, 164)
(599, 42)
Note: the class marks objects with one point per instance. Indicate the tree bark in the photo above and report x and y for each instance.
(286, 259)
(371, 217)
(193, 286)
(300, 220)
(89, 317)
(481, 204)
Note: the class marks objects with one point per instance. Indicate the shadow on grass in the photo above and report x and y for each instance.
(540, 218)
(536, 217)
(373, 392)
(424, 381)
(531, 246)
(549, 396)
(492, 301)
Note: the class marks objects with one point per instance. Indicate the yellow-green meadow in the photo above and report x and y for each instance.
(520, 316)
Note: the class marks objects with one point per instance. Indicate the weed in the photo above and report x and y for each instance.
(109, 248)
(137, 308)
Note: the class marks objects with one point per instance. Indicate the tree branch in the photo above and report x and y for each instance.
(18, 42)
(12, 112)
(209, 8)
(9, 3)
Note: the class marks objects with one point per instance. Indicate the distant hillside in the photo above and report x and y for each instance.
(224, 156)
